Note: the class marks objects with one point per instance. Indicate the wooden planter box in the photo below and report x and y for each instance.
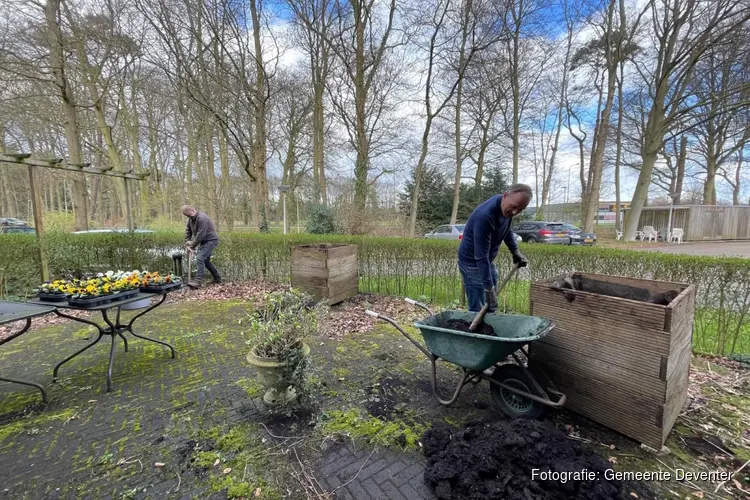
(622, 363)
(326, 271)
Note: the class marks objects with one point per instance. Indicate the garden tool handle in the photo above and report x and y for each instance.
(480, 315)
(419, 304)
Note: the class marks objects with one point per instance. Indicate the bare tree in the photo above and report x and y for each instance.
(721, 84)
(487, 87)
(315, 18)
(361, 45)
(55, 41)
(526, 62)
(683, 30)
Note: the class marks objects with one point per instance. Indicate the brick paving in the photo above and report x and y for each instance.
(91, 444)
(373, 474)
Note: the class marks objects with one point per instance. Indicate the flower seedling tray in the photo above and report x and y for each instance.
(52, 297)
(161, 288)
(104, 299)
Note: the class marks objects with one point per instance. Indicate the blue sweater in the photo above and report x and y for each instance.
(484, 231)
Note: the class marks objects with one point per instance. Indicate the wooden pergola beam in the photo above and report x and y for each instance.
(60, 164)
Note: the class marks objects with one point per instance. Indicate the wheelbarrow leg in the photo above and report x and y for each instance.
(464, 379)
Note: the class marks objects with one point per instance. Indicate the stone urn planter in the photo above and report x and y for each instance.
(273, 376)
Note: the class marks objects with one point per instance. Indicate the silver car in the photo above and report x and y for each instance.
(447, 232)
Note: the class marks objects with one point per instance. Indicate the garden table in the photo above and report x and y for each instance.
(113, 329)
(10, 312)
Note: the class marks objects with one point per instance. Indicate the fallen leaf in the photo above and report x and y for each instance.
(216, 462)
(256, 493)
(611, 447)
(159, 465)
(92, 400)
(633, 494)
(698, 494)
(227, 470)
(613, 460)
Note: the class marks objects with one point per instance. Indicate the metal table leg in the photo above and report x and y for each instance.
(129, 327)
(102, 332)
(114, 332)
(25, 382)
(119, 330)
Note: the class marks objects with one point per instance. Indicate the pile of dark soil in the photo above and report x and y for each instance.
(495, 461)
(463, 326)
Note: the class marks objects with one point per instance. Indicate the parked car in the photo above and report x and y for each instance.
(12, 221)
(578, 237)
(447, 232)
(16, 229)
(543, 232)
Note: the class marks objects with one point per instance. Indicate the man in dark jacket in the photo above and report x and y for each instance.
(200, 235)
(488, 226)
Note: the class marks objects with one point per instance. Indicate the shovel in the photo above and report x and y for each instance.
(480, 315)
(190, 261)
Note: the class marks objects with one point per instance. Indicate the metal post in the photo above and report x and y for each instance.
(669, 222)
(283, 190)
(128, 207)
(36, 206)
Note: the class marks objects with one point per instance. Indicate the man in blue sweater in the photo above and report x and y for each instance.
(488, 226)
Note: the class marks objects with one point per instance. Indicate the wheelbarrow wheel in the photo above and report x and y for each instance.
(512, 404)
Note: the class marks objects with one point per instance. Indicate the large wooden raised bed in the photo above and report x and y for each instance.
(623, 363)
(326, 271)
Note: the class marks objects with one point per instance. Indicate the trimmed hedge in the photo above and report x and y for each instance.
(398, 266)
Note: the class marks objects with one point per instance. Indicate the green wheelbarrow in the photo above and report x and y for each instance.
(514, 388)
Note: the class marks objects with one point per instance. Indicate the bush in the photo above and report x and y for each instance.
(321, 220)
(405, 267)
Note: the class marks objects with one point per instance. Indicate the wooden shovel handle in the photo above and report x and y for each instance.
(480, 315)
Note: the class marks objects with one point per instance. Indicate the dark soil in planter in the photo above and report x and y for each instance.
(463, 326)
(585, 284)
(495, 461)
(323, 246)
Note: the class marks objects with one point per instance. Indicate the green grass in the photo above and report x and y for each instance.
(718, 331)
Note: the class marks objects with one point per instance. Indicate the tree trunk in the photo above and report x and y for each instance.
(191, 163)
(144, 198)
(681, 161)
(459, 99)
(418, 174)
(596, 166)
(361, 168)
(737, 178)
(70, 120)
(213, 202)
(709, 187)
(259, 149)
(515, 85)
(618, 152)
(226, 198)
(483, 144)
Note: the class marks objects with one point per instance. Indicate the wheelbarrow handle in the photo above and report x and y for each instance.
(419, 304)
(403, 332)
